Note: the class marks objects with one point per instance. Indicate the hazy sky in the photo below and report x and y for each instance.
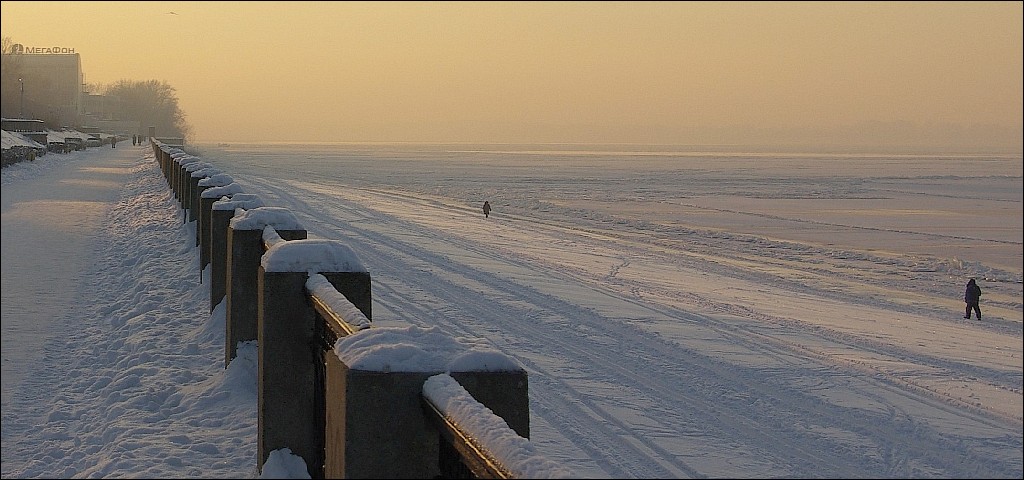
(858, 73)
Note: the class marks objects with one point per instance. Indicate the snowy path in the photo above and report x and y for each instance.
(51, 224)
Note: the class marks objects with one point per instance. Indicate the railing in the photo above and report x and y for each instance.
(467, 458)
(341, 322)
(322, 393)
(472, 431)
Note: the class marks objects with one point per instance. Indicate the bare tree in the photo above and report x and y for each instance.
(152, 103)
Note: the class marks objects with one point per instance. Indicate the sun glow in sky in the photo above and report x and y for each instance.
(942, 74)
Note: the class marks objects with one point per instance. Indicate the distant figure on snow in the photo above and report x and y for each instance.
(973, 298)
(113, 142)
(487, 209)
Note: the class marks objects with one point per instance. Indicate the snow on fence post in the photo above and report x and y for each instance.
(177, 156)
(164, 160)
(164, 157)
(291, 344)
(223, 210)
(245, 248)
(168, 167)
(377, 425)
(482, 440)
(197, 171)
(172, 166)
(210, 195)
(173, 170)
(184, 160)
(195, 203)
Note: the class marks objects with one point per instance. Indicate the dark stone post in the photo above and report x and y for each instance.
(174, 175)
(287, 416)
(376, 426)
(168, 167)
(291, 346)
(376, 423)
(184, 176)
(245, 250)
(179, 158)
(222, 212)
(355, 286)
(209, 196)
(197, 171)
(215, 179)
(162, 158)
(505, 392)
(166, 157)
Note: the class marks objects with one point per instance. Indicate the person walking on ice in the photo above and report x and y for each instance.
(973, 298)
(487, 209)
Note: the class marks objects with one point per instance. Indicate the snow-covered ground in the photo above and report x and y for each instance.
(680, 313)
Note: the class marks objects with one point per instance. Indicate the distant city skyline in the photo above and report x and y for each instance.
(926, 75)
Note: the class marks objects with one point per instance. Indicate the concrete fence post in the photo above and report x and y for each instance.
(377, 426)
(187, 163)
(197, 171)
(164, 167)
(504, 391)
(210, 195)
(171, 165)
(245, 249)
(183, 178)
(177, 156)
(291, 345)
(161, 159)
(168, 175)
(355, 286)
(287, 412)
(223, 210)
(182, 183)
(174, 175)
(215, 179)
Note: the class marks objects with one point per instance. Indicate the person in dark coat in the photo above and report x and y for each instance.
(487, 208)
(973, 298)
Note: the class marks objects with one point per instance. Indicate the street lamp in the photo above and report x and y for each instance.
(22, 113)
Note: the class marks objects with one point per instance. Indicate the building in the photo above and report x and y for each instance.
(52, 80)
(52, 88)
